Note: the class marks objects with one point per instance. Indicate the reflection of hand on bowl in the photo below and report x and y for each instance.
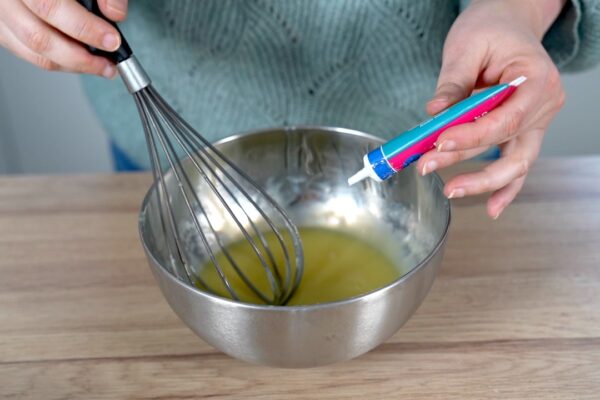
(306, 171)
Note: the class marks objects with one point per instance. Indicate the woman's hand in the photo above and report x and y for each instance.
(491, 42)
(50, 33)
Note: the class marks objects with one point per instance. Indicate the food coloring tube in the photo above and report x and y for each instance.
(397, 154)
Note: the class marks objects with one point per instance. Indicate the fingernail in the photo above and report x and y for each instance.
(438, 97)
(110, 42)
(109, 72)
(429, 166)
(446, 145)
(498, 214)
(117, 5)
(457, 193)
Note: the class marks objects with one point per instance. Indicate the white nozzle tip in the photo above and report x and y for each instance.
(518, 81)
(359, 176)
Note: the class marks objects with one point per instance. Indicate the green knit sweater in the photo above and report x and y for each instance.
(235, 65)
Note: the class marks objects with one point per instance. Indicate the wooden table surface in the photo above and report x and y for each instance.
(513, 314)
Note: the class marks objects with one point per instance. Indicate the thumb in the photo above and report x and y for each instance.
(457, 78)
(115, 10)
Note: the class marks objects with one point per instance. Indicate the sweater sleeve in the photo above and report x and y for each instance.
(573, 41)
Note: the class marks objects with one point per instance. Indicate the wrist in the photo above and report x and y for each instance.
(547, 11)
(538, 15)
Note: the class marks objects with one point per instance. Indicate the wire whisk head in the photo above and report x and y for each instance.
(217, 220)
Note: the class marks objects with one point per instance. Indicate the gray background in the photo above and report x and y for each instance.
(47, 125)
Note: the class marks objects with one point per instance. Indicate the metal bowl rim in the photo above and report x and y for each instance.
(299, 308)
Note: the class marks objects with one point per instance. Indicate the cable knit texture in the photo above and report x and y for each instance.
(235, 65)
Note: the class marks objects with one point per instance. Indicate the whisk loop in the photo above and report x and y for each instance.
(234, 199)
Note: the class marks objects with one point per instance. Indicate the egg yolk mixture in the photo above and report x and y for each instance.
(336, 266)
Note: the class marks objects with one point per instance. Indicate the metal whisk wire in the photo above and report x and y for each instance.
(163, 125)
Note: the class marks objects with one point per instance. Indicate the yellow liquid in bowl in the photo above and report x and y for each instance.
(336, 266)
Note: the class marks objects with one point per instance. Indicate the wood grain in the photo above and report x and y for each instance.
(514, 313)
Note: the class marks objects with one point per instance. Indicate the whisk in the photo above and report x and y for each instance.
(206, 201)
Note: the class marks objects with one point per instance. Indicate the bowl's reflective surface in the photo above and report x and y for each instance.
(306, 171)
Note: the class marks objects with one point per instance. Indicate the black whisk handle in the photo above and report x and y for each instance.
(123, 52)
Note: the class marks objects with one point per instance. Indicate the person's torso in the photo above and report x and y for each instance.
(229, 65)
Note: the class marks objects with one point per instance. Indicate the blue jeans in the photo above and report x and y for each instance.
(121, 161)
(491, 154)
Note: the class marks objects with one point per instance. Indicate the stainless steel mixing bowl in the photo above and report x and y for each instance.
(305, 170)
